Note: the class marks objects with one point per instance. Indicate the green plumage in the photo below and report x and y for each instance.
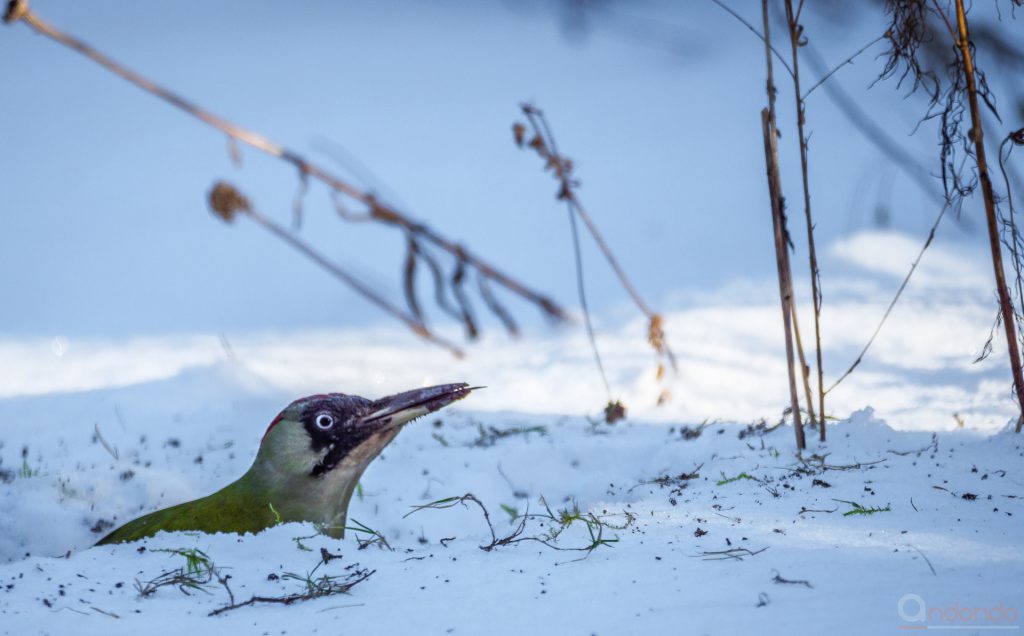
(233, 509)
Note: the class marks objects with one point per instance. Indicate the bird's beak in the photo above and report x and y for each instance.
(396, 410)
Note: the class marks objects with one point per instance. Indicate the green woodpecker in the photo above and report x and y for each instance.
(307, 466)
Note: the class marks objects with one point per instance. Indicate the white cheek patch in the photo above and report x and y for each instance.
(320, 456)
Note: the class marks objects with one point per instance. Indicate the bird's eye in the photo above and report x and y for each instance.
(324, 421)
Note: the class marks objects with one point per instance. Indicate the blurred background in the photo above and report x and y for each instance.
(113, 270)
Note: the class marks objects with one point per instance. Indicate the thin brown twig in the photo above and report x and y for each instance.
(795, 36)
(226, 201)
(19, 11)
(754, 30)
(333, 588)
(779, 227)
(824, 78)
(892, 303)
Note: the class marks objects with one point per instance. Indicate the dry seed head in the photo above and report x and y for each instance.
(226, 201)
(16, 9)
(614, 412)
(655, 333)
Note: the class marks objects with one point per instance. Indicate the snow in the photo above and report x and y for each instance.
(184, 436)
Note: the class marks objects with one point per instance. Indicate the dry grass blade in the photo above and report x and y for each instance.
(449, 502)
(558, 522)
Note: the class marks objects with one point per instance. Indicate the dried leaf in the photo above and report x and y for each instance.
(519, 133)
(439, 284)
(496, 308)
(458, 277)
(409, 278)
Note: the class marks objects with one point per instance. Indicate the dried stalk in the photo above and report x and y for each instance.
(795, 35)
(805, 370)
(226, 201)
(542, 141)
(782, 262)
(978, 137)
(779, 228)
(18, 11)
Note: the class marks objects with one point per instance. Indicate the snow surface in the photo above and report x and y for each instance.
(182, 437)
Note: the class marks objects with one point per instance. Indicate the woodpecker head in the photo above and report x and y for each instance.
(325, 436)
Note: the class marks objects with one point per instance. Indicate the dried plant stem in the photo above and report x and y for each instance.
(782, 262)
(795, 33)
(226, 201)
(805, 370)
(779, 228)
(582, 293)
(978, 137)
(753, 30)
(826, 75)
(18, 10)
